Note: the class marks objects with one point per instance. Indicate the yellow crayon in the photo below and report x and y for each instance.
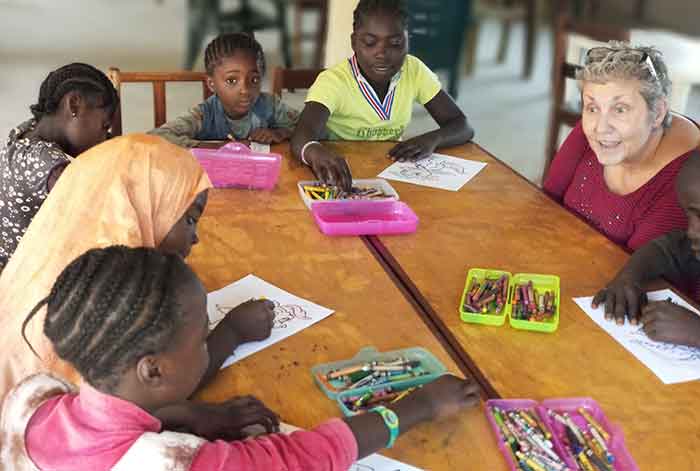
(585, 464)
(593, 423)
(527, 418)
(529, 461)
(402, 395)
(315, 188)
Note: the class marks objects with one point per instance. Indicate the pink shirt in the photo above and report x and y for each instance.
(92, 431)
(576, 179)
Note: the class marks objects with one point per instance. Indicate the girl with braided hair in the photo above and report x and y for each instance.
(235, 66)
(133, 322)
(135, 190)
(73, 113)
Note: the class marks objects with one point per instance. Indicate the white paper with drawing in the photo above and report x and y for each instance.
(671, 363)
(375, 462)
(292, 313)
(437, 171)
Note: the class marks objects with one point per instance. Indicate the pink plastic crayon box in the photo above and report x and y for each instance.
(530, 434)
(234, 165)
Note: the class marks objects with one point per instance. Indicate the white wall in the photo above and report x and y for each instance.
(339, 30)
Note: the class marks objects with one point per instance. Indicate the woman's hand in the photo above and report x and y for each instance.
(251, 320)
(416, 148)
(665, 321)
(623, 297)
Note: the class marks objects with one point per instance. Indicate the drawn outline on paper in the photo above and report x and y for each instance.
(667, 351)
(284, 314)
(430, 169)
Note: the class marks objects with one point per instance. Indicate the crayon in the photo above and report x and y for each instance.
(594, 423)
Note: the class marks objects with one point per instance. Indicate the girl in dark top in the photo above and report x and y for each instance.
(73, 113)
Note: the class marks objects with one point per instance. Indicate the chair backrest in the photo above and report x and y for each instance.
(571, 41)
(293, 79)
(158, 81)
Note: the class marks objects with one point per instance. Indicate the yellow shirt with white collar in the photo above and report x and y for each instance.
(356, 113)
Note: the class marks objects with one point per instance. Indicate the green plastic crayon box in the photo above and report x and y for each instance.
(490, 317)
(430, 368)
(540, 283)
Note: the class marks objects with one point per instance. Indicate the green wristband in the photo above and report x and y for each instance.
(391, 420)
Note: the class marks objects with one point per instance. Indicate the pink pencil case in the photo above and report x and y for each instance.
(623, 460)
(234, 165)
(364, 217)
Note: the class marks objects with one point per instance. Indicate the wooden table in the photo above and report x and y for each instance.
(272, 235)
(498, 220)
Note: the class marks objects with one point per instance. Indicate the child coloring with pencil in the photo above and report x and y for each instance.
(235, 65)
(148, 352)
(674, 256)
(370, 97)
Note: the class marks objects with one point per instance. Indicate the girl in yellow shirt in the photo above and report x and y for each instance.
(370, 97)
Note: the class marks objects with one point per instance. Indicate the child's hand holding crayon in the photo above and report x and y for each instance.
(251, 320)
(665, 321)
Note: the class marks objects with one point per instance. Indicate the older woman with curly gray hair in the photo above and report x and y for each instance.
(618, 166)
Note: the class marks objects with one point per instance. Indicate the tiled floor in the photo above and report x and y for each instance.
(509, 114)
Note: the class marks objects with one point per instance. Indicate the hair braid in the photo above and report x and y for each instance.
(365, 8)
(112, 306)
(226, 45)
(85, 79)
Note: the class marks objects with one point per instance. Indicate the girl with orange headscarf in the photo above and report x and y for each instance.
(137, 191)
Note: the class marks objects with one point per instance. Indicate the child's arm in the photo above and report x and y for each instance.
(335, 445)
(284, 118)
(454, 130)
(326, 164)
(221, 421)
(182, 130)
(665, 321)
(246, 322)
(624, 296)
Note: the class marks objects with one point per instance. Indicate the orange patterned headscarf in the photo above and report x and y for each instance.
(129, 190)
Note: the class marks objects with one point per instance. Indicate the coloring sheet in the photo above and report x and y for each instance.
(375, 462)
(437, 171)
(671, 363)
(259, 147)
(292, 313)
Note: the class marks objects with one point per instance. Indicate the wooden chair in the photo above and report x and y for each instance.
(507, 12)
(158, 81)
(318, 37)
(564, 67)
(293, 79)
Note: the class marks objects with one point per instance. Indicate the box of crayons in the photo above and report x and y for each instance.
(557, 434)
(235, 165)
(530, 301)
(484, 297)
(374, 378)
(375, 189)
